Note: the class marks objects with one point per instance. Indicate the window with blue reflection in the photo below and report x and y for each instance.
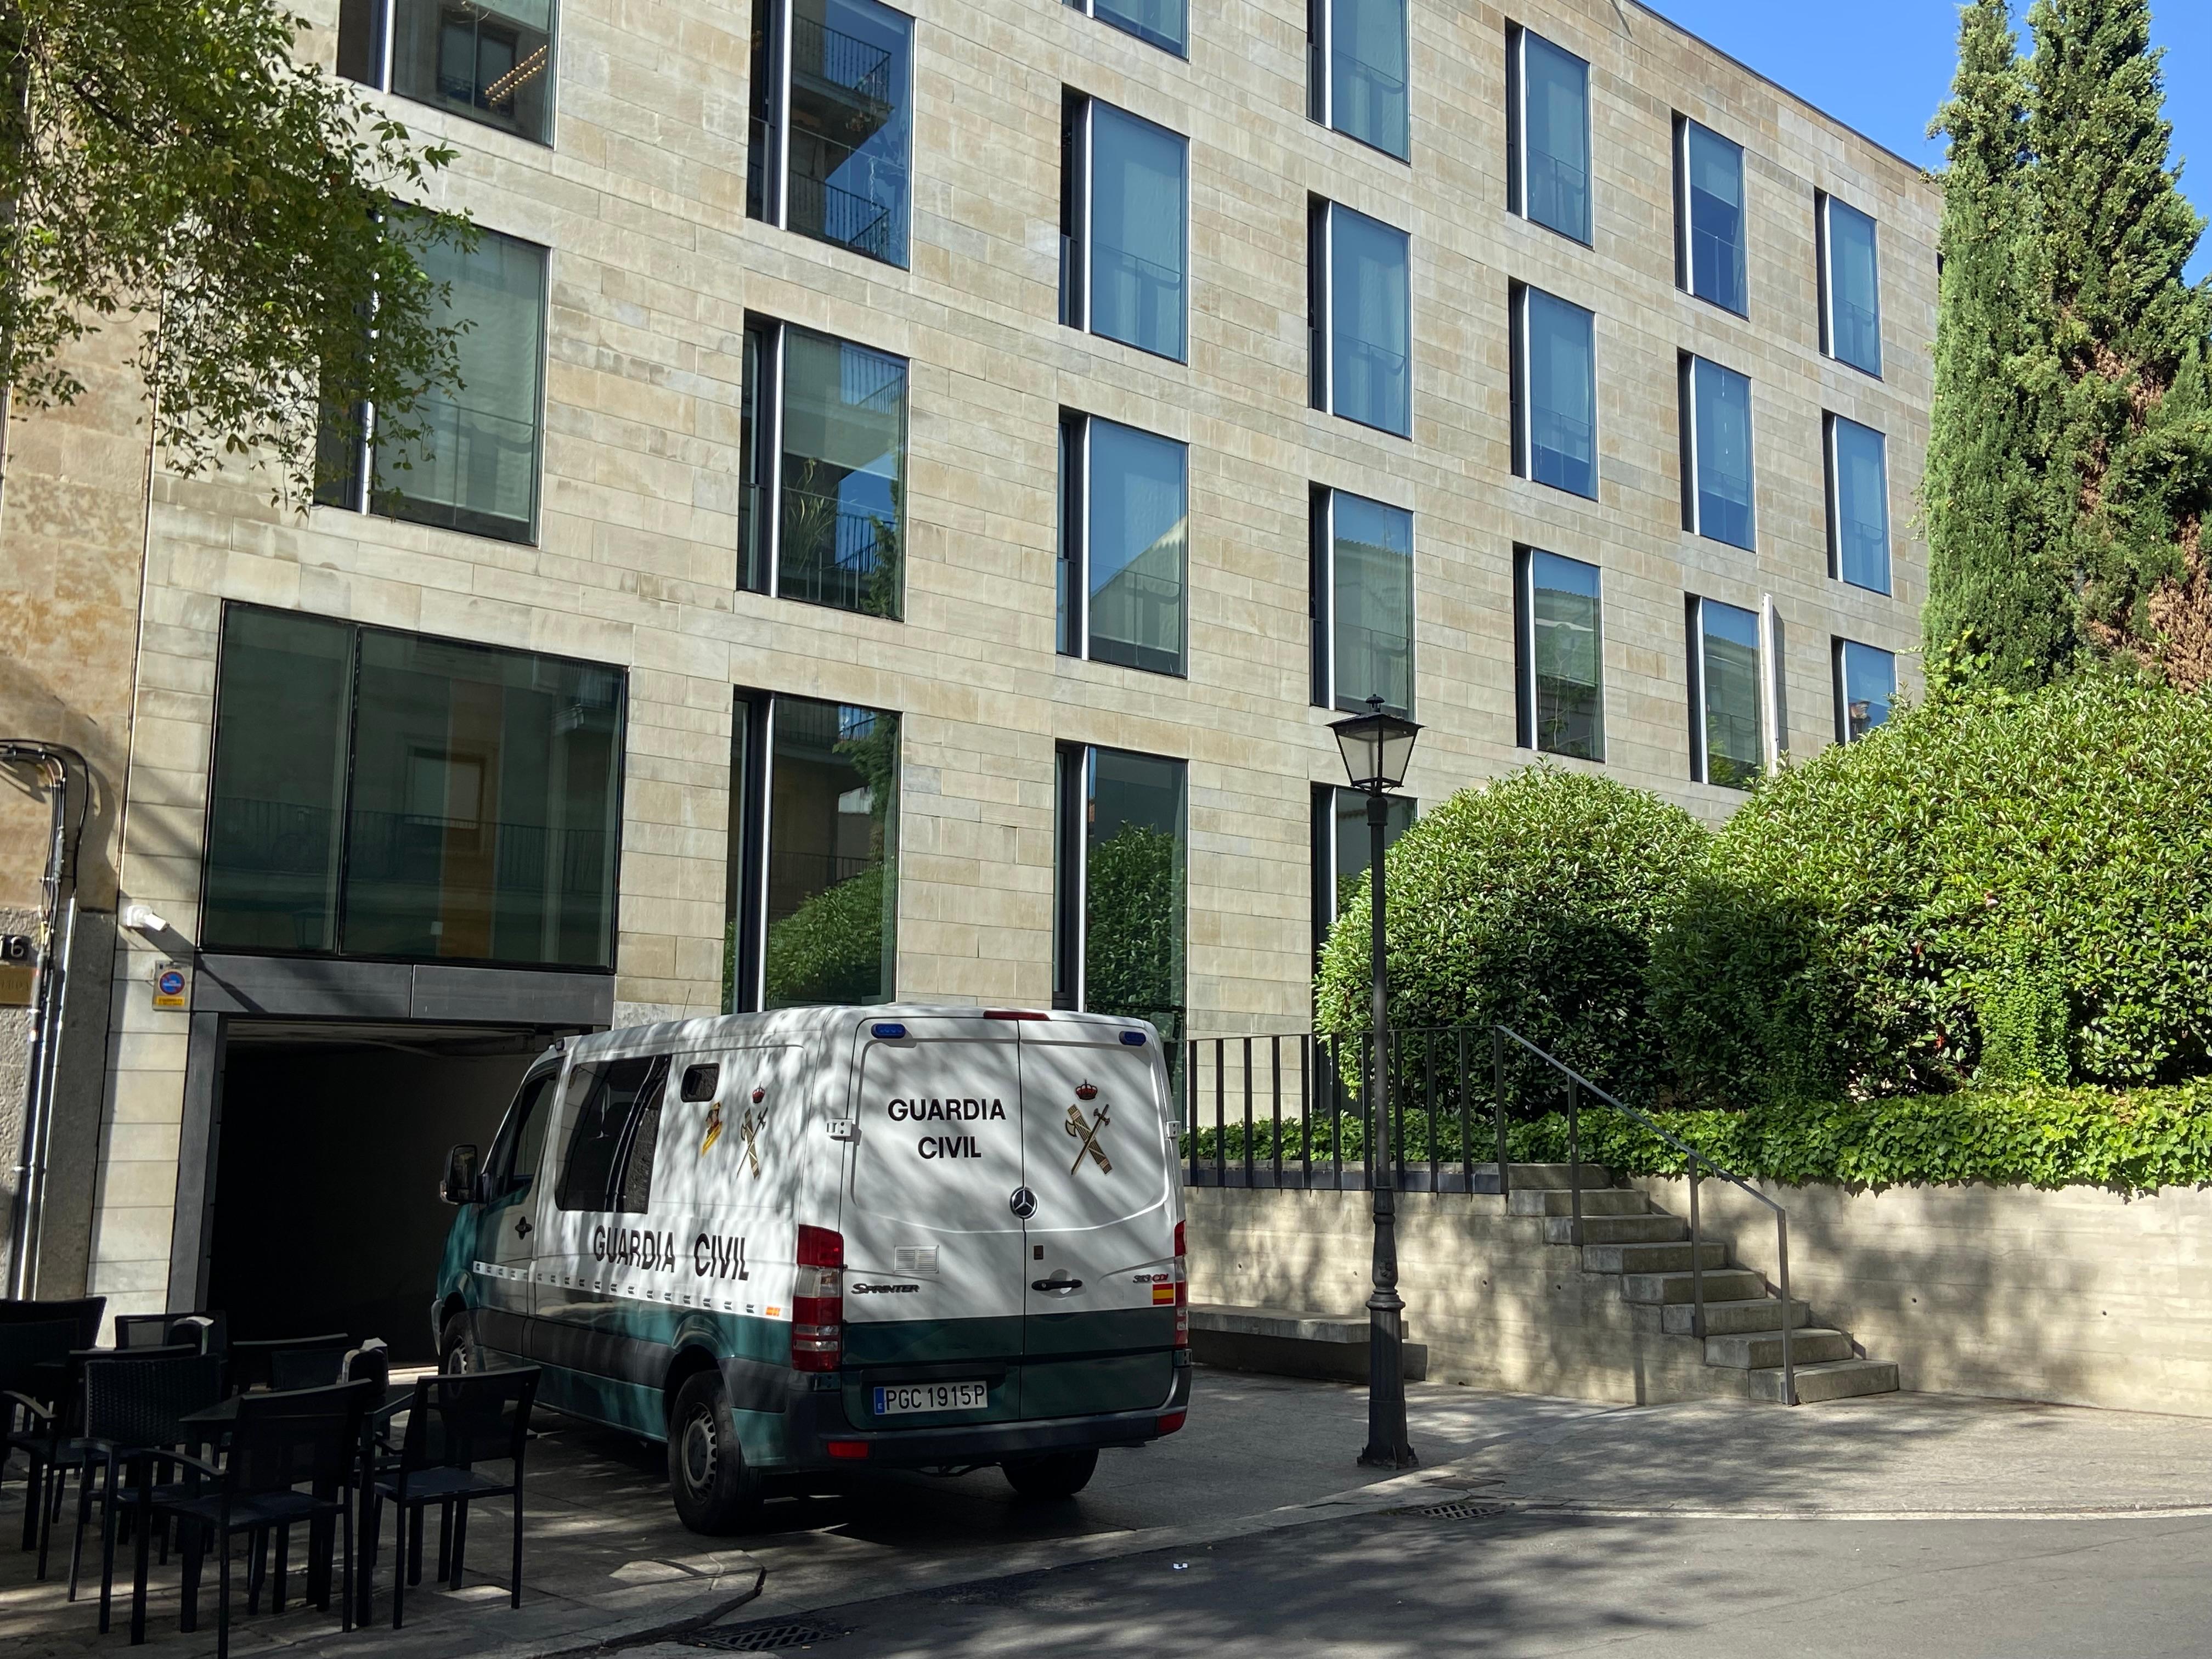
(1553, 134)
(1711, 207)
(1728, 665)
(1562, 684)
(1719, 420)
(1866, 685)
(1370, 303)
(1136, 547)
(1853, 283)
(1557, 388)
(1163, 23)
(1367, 72)
(1370, 603)
(1138, 230)
(1858, 504)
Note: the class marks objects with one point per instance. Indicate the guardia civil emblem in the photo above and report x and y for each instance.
(750, 1127)
(1087, 1130)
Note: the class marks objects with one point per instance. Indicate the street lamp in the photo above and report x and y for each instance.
(1377, 747)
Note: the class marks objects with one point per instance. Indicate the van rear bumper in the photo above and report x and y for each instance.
(813, 1420)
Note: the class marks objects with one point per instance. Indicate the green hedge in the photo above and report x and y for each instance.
(2131, 1142)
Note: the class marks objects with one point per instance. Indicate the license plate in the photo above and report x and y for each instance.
(903, 1397)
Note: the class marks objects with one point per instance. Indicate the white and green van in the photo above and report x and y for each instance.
(911, 1237)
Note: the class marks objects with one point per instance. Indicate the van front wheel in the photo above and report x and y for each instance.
(1054, 1474)
(716, 1493)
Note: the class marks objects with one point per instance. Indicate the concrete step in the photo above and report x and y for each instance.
(1750, 1351)
(1558, 1200)
(1728, 1318)
(1675, 1289)
(1290, 1342)
(1842, 1379)
(1617, 1229)
(1651, 1258)
(1557, 1176)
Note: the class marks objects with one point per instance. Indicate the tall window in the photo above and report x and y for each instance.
(1164, 23)
(377, 793)
(1866, 684)
(1362, 602)
(1709, 216)
(1850, 287)
(1559, 643)
(822, 516)
(489, 60)
(1554, 392)
(1124, 227)
(1341, 846)
(1119, 886)
(1727, 738)
(1548, 134)
(1356, 70)
(1124, 545)
(1359, 301)
(475, 467)
(813, 888)
(833, 122)
(1858, 505)
(1716, 482)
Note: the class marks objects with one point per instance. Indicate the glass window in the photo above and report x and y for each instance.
(1128, 232)
(1716, 455)
(832, 122)
(1866, 684)
(1162, 22)
(379, 794)
(513, 1164)
(1364, 602)
(1342, 847)
(490, 61)
(823, 431)
(1547, 128)
(474, 466)
(1356, 67)
(1858, 505)
(813, 914)
(1709, 209)
(1727, 742)
(1124, 548)
(1850, 285)
(612, 1135)
(1561, 650)
(1119, 942)
(1555, 393)
(1363, 324)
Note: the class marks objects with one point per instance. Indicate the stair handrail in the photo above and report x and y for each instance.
(1577, 1084)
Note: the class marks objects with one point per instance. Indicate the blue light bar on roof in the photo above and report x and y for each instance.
(1134, 1039)
(887, 1028)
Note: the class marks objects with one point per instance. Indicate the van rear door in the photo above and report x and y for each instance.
(1098, 1286)
(934, 1246)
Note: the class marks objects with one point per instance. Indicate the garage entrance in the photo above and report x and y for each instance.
(330, 1145)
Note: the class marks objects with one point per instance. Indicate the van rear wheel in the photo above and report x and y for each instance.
(1054, 1474)
(457, 1347)
(716, 1492)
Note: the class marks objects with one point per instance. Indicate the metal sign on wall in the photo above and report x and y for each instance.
(171, 986)
(19, 970)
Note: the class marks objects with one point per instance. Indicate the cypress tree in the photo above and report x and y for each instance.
(1996, 596)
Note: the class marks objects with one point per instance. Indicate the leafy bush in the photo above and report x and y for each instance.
(2132, 1142)
(1133, 955)
(1531, 903)
(2014, 889)
(831, 949)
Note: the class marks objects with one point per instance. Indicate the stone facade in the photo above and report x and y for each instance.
(653, 266)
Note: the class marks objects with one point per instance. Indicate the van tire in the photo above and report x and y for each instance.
(716, 1492)
(1054, 1474)
(457, 1347)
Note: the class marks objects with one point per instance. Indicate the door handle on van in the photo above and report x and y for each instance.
(1055, 1284)
(522, 1227)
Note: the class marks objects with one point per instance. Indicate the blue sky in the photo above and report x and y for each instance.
(1883, 65)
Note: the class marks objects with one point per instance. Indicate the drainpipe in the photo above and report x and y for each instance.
(61, 766)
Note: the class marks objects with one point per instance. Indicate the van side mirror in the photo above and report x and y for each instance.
(459, 1186)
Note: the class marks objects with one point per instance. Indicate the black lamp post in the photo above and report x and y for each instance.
(1377, 747)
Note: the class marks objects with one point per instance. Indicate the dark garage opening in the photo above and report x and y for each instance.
(332, 1142)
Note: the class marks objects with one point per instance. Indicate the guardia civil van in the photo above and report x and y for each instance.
(916, 1238)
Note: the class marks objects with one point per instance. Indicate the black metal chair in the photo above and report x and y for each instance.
(53, 1441)
(453, 1422)
(205, 1330)
(34, 1369)
(132, 1424)
(291, 1362)
(85, 1311)
(280, 1442)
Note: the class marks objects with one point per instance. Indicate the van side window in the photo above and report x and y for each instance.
(609, 1165)
(699, 1081)
(514, 1157)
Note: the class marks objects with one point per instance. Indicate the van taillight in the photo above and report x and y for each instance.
(1183, 1294)
(817, 1302)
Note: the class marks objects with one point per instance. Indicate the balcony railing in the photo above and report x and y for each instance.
(829, 58)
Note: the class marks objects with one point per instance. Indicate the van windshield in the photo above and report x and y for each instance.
(615, 1123)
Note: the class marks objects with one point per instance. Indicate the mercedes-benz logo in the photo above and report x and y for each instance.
(1023, 1203)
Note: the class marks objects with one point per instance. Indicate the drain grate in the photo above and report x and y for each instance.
(766, 1639)
(1461, 1510)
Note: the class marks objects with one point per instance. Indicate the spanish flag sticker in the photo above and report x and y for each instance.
(713, 1128)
